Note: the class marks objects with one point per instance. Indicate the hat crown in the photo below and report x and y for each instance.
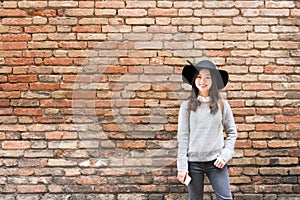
(206, 64)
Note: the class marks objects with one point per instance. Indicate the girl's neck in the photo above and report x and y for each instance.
(203, 94)
(204, 99)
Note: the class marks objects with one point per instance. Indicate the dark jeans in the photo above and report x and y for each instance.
(218, 178)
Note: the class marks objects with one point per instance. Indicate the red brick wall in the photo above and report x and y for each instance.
(90, 92)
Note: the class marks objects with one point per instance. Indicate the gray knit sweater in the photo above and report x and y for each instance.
(200, 134)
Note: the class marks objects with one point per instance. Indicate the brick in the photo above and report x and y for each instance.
(19, 61)
(12, 95)
(283, 45)
(86, 29)
(132, 12)
(12, 13)
(91, 181)
(216, 21)
(178, 45)
(72, 45)
(270, 127)
(38, 29)
(106, 12)
(257, 86)
(37, 53)
(62, 21)
(258, 119)
(114, 4)
(13, 45)
(292, 127)
(141, 4)
(13, 37)
(139, 21)
(287, 119)
(162, 12)
(4, 102)
(208, 45)
(203, 12)
(6, 111)
(30, 4)
(218, 53)
(283, 29)
(64, 36)
(64, 4)
(262, 36)
(44, 86)
(250, 12)
(36, 154)
(273, 78)
(263, 21)
(226, 12)
(223, 4)
(278, 69)
(148, 45)
(12, 87)
(79, 12)
(274, 12)
(287, 61)
(10, 4)
(91, 21)
(58, 61)
(260, 144)
(90, 36)
(280, 4)
(62, 145)
(162, 29)
(22, 78)
(248, 4)
(43, 13)
(232, 36)
(16, 145)
(131, 144)
(28, 111)
(185, 21)
(185, 12)
(282, 144)
(43, 45)
(60, 163)
(31, 188)
(55, 103)
(295, 12)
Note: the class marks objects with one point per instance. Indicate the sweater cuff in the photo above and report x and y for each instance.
(226, 155)
(182, 164)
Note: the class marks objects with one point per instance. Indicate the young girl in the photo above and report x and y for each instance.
(201, 146)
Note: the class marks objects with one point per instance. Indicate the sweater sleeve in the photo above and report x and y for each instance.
(183, 137)
(231, 133)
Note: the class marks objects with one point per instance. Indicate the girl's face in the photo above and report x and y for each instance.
(203, 82)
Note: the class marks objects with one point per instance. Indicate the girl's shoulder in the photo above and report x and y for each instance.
(184, 104)
(223, 100)
(225, 106)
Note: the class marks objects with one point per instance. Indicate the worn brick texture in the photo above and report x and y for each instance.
(90, 93)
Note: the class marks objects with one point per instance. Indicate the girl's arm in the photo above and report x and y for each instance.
(183, 137)
(231, 133)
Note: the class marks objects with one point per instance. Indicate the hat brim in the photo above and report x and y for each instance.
(190, 71)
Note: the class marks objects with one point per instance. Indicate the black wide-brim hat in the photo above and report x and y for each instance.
(192, 70)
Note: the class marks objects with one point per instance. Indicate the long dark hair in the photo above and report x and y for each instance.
(213, 93)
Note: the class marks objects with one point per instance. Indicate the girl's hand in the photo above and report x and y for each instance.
(219, 163)
(182, 175)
